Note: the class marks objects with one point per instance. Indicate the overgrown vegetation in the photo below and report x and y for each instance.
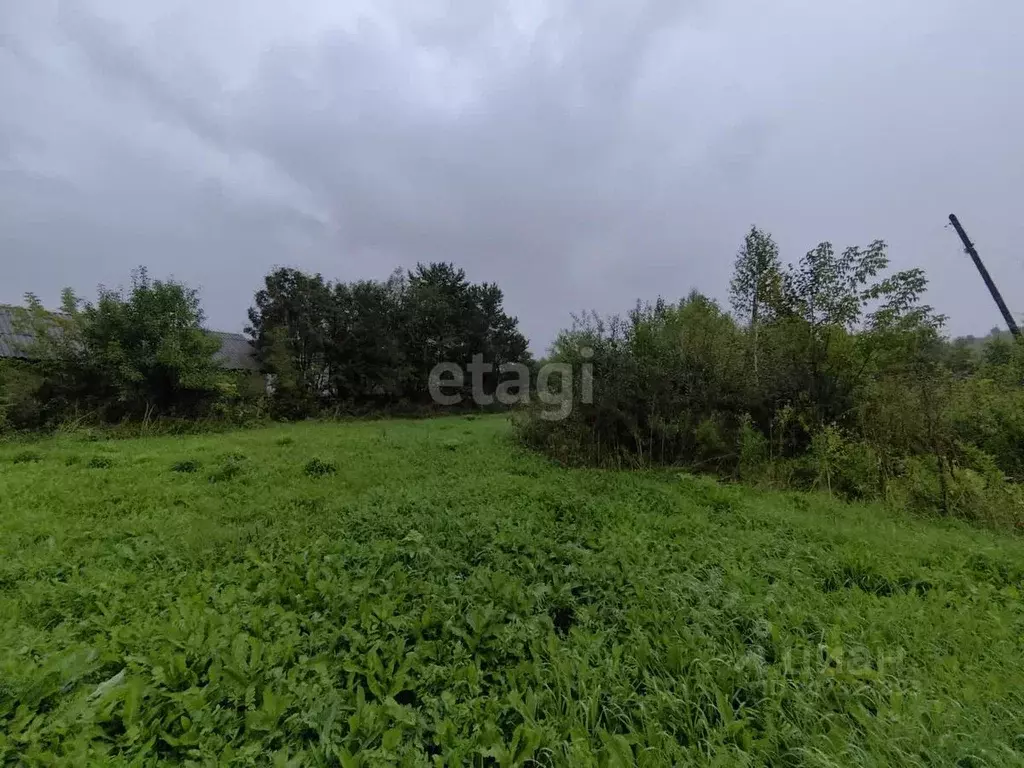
(364, 346)
(131, 355)
(831, 374)
(483, 607)
(142, 359)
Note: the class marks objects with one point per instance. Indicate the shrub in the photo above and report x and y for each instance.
(753, 452)
(825, 456)
(229, 470)
(711, 443)
(186, 466)
(319, 468)
(835, 377)
(26, 457)
(857, 472)
(131, 356)
(20, 404)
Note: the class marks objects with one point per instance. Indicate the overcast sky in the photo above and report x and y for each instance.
(581, 154)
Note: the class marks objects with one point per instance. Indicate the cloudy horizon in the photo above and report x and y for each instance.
(581, 155)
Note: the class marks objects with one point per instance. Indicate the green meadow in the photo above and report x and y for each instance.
(428, 593)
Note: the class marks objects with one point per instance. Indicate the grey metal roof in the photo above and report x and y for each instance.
(236, 352)
(10, 341)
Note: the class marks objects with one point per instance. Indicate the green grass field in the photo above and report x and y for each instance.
(410, 593)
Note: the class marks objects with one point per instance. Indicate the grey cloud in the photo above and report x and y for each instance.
(123, 70)
(581, 154)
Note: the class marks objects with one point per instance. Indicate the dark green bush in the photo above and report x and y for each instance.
(320, 468)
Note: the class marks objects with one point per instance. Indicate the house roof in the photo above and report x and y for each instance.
(10, 340)
(236, 352)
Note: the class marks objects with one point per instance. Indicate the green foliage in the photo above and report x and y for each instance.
(757, 277)
(231, 467)
(755, 288)
(826, 456)
(659, 381)
(187, 466)
(141, 357)
(137, 355)
(836, 378)
(754, 452)
(496, 610)
(20, 383)
(290, 326)
(352, 346)
(149, 344)
(989, 415)
(320, 468)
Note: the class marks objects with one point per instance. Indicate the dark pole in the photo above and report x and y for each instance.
(996, 297)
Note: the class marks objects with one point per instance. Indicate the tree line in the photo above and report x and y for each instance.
(830, 372)
(325, 347)
(372, 345)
